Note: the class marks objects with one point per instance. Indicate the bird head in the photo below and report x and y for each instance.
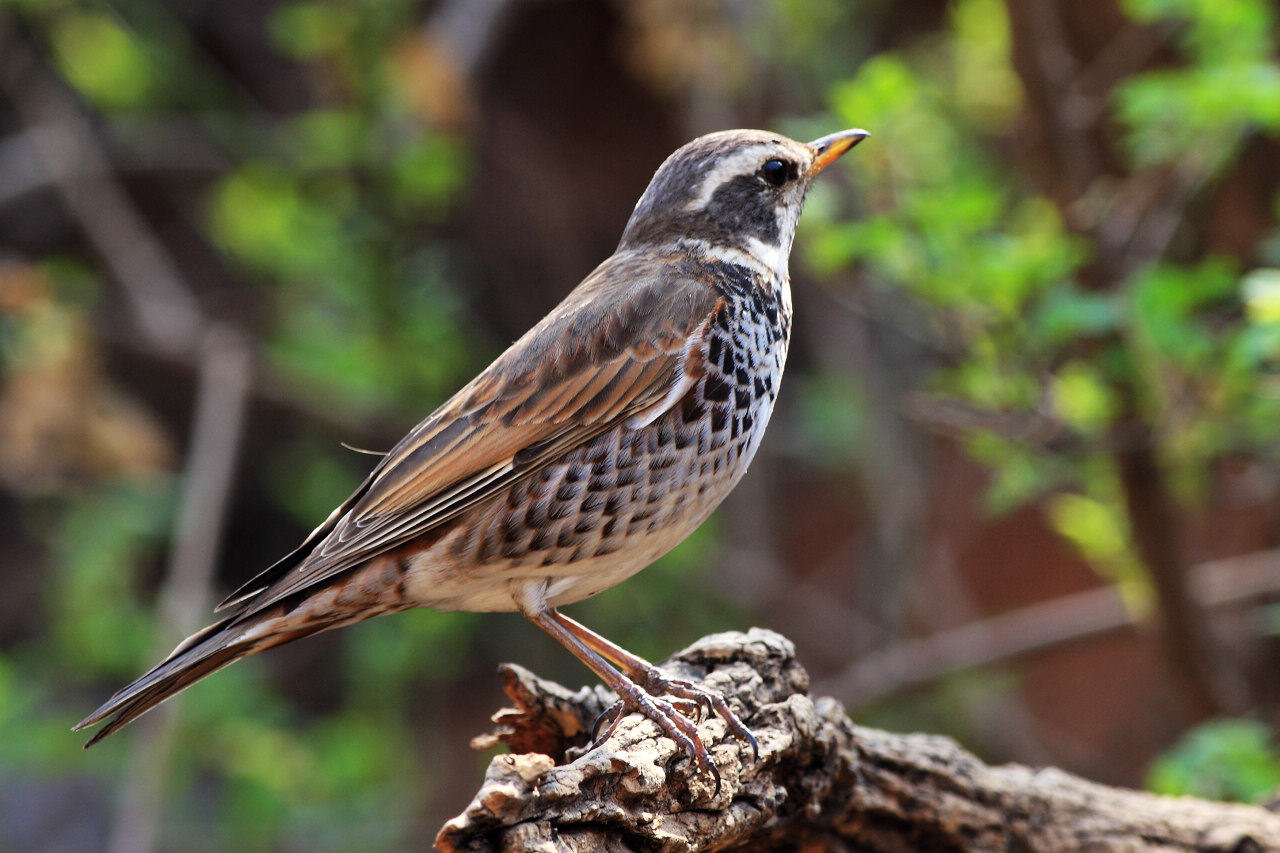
(736, 189)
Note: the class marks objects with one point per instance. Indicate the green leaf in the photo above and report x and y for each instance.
(987, 87)
(1100, 531)
(1228, 759)
(428, 174)
(103, 540)
(106, 62)
(312, 30)
(1197, 114)
(1212, 30)
(1082, 398)
(1261, 291)
(1065, 314)
(1168, 303)
(1018, 476)
(327, 138)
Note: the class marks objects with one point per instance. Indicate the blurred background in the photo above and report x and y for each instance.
(1023, 483)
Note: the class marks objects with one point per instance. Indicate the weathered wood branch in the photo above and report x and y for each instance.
(820, 780)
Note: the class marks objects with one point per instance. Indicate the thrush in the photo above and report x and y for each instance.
(596, 443)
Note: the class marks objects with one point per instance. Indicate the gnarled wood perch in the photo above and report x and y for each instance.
(821, 782)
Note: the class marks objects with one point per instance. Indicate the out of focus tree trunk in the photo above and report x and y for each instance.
(1070, 59)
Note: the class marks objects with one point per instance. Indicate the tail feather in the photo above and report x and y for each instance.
(199, 655)
(149, 691)
(368, 591)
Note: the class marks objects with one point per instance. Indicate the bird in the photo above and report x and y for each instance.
(588, 449)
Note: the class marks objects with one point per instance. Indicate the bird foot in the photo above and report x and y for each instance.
(672, 715)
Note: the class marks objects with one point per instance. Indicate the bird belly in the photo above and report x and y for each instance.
(605, 510)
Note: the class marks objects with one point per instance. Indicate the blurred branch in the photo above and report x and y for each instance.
(1211, 684)
(20, 171)
(469, 28)
(442, 62)
(156, 146)
(1038, 628)
(270, 387)
(1048, 75)
(958, 418)
(70, 155)
(221, 398)
(1156, 229)
(1129, 51)
(63, 144)
(820, 781)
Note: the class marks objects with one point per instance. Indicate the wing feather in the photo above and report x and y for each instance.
(617, 346)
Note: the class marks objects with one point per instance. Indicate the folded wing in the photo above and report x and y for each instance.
(623, 344)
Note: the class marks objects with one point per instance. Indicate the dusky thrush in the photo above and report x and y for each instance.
(591, 447)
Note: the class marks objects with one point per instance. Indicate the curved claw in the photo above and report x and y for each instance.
(699, 702)
(614, 713)
(673, 724)
(755, 747)
(656, 682)
(600, 718)
(687, 738)
(595, 725)
(688, 707)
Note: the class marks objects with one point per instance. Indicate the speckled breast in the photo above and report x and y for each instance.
(613, 506)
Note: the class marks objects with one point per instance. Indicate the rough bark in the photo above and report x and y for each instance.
(821, 783)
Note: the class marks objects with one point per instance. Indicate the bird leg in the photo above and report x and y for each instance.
(651, 679)
(641, 687)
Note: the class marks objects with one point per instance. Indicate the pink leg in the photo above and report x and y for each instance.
(641, 686)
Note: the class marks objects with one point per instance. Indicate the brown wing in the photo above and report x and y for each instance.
(615, 348)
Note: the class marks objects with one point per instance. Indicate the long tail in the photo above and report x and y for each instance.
(370, 590)
(197, 656)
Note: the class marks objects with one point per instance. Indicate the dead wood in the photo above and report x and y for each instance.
(822, 783)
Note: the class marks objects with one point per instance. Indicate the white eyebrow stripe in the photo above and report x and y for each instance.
(738, 163)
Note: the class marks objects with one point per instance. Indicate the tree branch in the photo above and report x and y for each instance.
(66, 149)
(204, 500)
(820, 780)
(1039, 627)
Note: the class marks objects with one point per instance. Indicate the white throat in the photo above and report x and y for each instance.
(773, 258)
(757, 255)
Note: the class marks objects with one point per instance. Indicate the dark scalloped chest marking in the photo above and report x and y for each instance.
(629, 492)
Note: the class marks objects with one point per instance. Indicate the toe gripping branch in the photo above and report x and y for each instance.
(641, 687)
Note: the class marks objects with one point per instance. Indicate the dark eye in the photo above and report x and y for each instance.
(776, 172)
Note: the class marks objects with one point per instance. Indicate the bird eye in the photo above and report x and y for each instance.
(776, 172)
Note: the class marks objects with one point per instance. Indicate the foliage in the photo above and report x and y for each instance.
(1230, 86)
(1022, 326)
(1226, 759)
(338, 213)
(329, 211)
(334, 213)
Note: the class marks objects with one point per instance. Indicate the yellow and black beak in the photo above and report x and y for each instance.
(828, 149)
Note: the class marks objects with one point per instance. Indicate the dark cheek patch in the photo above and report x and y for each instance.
(743, 206)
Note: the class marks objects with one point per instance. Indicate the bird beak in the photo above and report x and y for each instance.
(828, 149)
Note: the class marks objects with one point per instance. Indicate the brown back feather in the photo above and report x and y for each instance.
(612, 348)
